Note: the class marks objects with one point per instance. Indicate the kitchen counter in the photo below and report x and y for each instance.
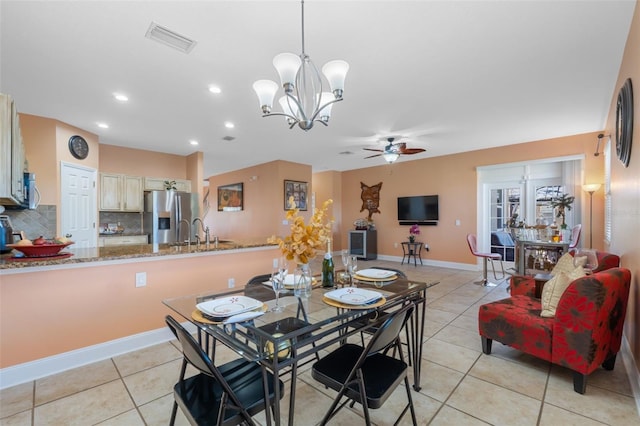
(101, 254)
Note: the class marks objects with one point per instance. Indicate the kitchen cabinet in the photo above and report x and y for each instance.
(157, 184)
(121, 193)
(122, 240)
(12, 155)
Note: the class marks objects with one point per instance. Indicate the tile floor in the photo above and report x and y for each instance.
(461, 386)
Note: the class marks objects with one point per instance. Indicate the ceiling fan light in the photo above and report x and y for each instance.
(287, 65)
(336, 72)
(390, 157)
(266, 90)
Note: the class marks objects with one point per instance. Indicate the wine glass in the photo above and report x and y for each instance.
(345, 258)
(277, 281)
(353, 267)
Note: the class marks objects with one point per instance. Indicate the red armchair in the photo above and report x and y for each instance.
(525, 285)
(585, 333)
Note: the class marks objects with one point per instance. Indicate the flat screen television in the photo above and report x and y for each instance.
(422, 210)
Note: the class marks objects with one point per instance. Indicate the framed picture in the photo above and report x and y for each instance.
(299, 192)
(230, 197)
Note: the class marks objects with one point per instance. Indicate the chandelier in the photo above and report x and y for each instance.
(304, 101)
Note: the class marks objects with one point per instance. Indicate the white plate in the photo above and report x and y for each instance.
(353, 296)
(378, 274)
(227, 306)
(289, 280)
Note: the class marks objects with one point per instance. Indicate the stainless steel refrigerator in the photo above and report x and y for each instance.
(169, 215)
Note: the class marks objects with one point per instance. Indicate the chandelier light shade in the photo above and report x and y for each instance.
(304, 101)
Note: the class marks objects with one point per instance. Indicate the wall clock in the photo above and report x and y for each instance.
(78, 147)
(624, 122)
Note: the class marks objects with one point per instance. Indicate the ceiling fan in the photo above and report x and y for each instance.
(392, 151)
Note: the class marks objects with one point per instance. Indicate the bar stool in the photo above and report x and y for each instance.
(473, 246)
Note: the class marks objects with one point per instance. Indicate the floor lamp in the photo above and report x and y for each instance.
(591, 188)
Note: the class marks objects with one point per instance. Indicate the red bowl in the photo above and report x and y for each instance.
(42, 250)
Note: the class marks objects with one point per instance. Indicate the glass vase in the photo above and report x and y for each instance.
(302, 281)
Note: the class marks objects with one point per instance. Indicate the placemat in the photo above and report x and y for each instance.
(197, 315)
(336, 304)
(361, 278)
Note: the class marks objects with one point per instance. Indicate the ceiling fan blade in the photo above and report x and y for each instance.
(371, 149)
(410, 151)
(371, 156)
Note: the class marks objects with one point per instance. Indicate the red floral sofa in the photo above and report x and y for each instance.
(585, 333)
(525, 285)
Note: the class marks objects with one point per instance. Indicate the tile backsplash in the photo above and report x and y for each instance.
(131, 222)
(41, 221)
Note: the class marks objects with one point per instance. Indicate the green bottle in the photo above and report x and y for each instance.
(327, 267)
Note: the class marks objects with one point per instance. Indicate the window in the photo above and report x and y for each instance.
(607, 192)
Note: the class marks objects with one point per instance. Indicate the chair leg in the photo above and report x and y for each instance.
(494, 270)
(609, 363)
(486, 345)
(579, 382)
(174, 411)
(485, 280)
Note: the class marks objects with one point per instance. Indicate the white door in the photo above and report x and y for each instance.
(78, 204)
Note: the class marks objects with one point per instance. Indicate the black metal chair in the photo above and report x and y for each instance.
(229, 394)
(367, 374)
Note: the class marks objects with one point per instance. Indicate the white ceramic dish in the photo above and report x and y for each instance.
(228, 306)
(378, 274)
(353, 296)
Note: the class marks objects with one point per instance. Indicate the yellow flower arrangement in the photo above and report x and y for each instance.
(305, 239)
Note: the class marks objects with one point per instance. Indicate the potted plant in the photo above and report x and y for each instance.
(413, 231)
(563, 204)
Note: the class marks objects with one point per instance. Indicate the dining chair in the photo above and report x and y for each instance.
(575, 237)
(228, 394)
(472, 241)
(367, 375)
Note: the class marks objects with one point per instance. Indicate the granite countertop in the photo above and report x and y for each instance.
(72, 255)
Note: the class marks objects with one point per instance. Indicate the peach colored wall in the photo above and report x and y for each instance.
(195, 174)
(79, 307)
(263, 200)
(138, 162)
(39, 137)
(454, 179)
(625, 187)
(328, 185)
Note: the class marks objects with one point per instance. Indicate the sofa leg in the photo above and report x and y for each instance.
(609, 363)
(579, 382)
(486, 345)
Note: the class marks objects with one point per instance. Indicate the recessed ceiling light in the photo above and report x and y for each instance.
(193, 142)
(229, 125)
(103, 125)
(215, 89)
(121, 97)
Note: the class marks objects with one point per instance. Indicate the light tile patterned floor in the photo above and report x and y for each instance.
(461, 385)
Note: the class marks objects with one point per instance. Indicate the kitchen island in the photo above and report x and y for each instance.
(123, 252)
(59, 314)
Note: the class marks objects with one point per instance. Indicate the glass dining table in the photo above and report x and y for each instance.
(284, 341)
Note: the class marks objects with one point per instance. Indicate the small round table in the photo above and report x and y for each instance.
(411, 249)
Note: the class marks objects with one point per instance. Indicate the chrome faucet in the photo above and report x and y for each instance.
(204, 229)
(188, 229)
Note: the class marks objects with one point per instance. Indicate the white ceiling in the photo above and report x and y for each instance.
(450, 76)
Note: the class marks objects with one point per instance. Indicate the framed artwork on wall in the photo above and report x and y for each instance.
(230, 197)
(299, 192)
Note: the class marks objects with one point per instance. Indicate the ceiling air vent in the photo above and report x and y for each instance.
(228, 138)
(170, 38)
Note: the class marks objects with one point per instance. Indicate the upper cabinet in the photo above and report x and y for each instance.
(121, 193)
(158, 184)
(11, 154)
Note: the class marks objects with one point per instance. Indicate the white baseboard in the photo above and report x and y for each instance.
(632, 371)
(437, 263)
(43, 367)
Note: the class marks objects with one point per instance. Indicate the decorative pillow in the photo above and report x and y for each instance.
(554, 288)
(568, 263)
